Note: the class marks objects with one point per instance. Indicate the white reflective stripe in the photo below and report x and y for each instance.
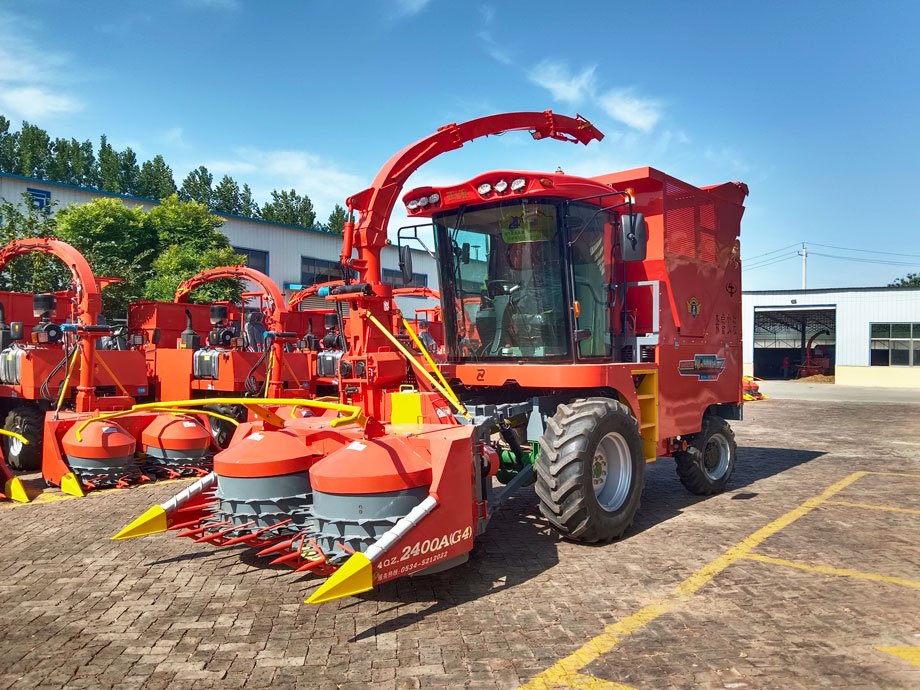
(399, 530)
(186, 494)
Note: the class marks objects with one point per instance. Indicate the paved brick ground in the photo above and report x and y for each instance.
(80, 611)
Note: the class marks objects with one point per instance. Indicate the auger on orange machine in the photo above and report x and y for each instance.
(566, 301)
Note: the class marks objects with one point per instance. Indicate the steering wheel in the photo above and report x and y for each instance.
(501, 287)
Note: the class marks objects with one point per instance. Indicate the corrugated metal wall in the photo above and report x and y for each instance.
(856, 309)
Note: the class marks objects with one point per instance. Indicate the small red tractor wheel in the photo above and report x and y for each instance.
(707, 464)
(28, 421)
(590, 470)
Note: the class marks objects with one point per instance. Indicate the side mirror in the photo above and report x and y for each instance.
(405, 264)
(465, 253)
(633, 237)
(155, 336)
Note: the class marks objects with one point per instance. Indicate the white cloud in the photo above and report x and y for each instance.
(309, 174)
(214, 4)
(33, 80)
(33, 103)
(174, 136)
(495, 50)
(631, 110)
(571, 88)
(410, 7)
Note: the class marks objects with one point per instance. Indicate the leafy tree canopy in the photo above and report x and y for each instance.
(910, 280)
(178, 263)
(290, 208)
(336, 222)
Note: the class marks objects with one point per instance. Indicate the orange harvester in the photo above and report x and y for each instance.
(590, 325)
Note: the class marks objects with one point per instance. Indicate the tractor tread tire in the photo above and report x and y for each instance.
(563, 469)
(223, 431)
(29, 421)
(690, 462)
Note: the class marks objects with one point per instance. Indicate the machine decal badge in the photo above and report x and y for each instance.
(693, 306)
(731, 289)
(704, 367)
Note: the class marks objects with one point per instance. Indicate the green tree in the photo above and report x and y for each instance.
(117, 241)
(109, 167)
(177, 263)
(248, 207)
(128, 172)
(34, 272)
(197, 186)
(290, 208)
(336, 222)
(60, 165)
(186, 223)
(910, 280)
(227, 197)
(9, 147)
(85, 168)
(155, 180)
(34, 151)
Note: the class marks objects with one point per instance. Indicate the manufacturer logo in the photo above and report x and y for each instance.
(693, 307)
(704, 367)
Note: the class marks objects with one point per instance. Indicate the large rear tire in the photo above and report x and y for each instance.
(590, 470)
(28, 421)
(707, 464)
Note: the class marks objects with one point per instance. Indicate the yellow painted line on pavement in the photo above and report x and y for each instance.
(827, 570)
(895, 474)
(566, 671)
(871, 506)
(910, 654)
(53, 496)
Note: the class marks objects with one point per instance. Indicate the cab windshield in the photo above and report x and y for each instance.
(502, 281)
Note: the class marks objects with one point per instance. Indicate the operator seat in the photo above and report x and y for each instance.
(255, 331)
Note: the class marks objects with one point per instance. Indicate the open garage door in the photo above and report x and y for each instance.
(781, 341)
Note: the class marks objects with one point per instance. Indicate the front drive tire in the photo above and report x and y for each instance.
(29, 421)
(707, 464)
(590, 470)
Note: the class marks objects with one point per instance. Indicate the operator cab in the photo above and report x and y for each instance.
(532, 265)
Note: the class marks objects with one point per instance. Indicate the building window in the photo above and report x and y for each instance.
(394, 278)
(313, 271)
(255, 258)
(894, 345)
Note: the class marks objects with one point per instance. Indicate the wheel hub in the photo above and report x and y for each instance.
(611, 472)
(716, 457)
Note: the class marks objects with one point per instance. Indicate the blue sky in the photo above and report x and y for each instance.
(815, 105)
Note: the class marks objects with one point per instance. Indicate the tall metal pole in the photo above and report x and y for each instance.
(804, 263)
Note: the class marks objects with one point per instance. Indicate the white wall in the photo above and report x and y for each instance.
(856, 309)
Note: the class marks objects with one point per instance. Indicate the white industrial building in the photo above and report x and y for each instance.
(872, 334)
(289, 255)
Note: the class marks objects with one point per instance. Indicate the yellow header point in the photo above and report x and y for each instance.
(910, 654)
(71, 485)
(15, 491)
(151, 522)
(355, 576)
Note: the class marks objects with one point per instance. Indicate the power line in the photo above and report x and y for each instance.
(769, 263)
(751, 258)
(867, 251)
(869, 261)
(755, 264)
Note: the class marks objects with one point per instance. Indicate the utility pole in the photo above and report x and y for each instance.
(804, 254)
